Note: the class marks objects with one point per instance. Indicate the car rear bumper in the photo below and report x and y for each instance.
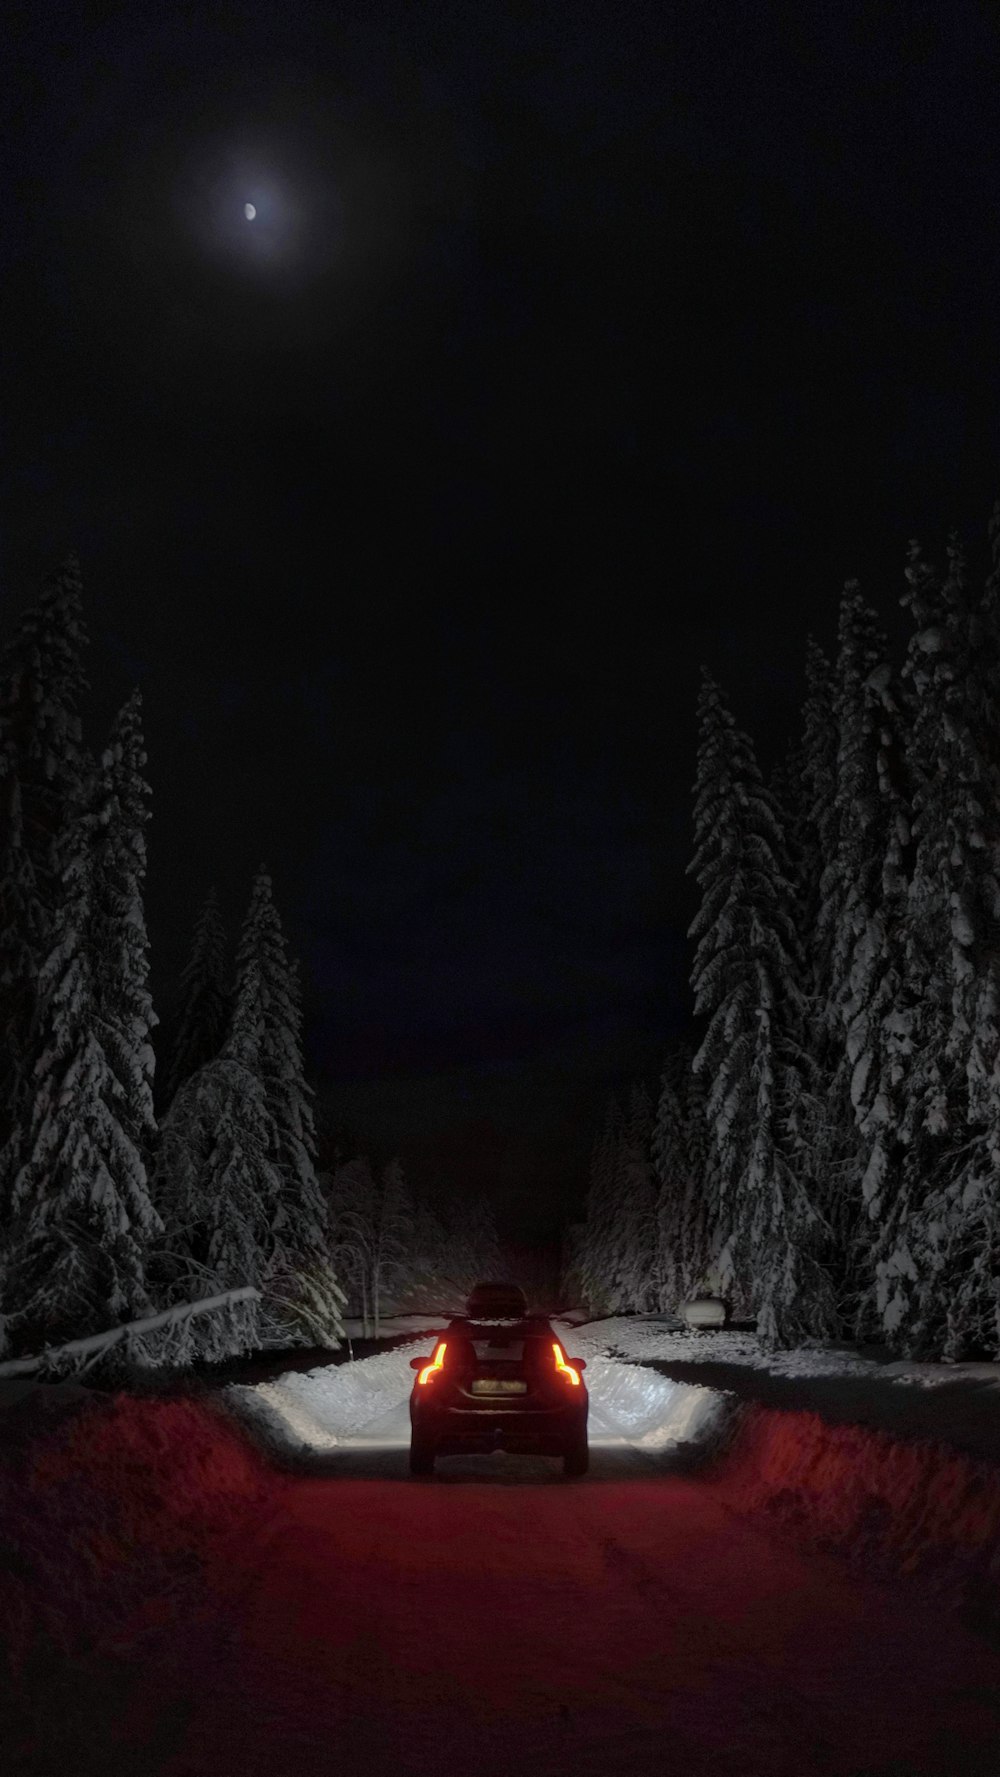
(521, 1430)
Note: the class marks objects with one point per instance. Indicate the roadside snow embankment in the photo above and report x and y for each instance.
(315, 1410)
(915, 1508)
(893, 1465)
(109, 1506)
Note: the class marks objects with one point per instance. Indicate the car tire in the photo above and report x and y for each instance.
(421, 1458)
(576, 1460)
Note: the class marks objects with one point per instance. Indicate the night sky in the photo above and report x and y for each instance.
(572, 346)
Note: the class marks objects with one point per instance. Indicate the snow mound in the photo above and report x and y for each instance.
(650, 1410)
(915, 1508)
(647, 1341)
(319, 1409)
(136, 1491)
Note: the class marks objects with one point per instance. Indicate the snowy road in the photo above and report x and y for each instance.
(499, 1620)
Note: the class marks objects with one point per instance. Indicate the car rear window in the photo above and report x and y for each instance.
(501, 1348)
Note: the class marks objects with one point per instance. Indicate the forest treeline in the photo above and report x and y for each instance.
(118, 1200)
(828, 1155)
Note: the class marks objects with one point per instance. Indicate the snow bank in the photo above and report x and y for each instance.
(915, 1508)
(318, 1409)
(647, 1341)
(651, 1411)
(108, 1509)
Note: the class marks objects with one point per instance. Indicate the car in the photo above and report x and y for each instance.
(498, 1379)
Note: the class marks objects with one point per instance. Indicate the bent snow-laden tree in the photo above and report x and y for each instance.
(746, 981)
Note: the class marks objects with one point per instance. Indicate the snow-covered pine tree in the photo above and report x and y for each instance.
(218, 1191)
(685, 1209)
(963, 1222)
(473, 1251)
(860, 915)
(42, 788)
(375, 1237)
(807, 810)
(398, 1226)
(236, 1179)
(266, 1038)
(947, 1020)
(82, 1211)
(807, 796)
(633, 1245)
(746, 982)
(424, 1288)
(120, 945)
(594, 1252)
(205, 1002)
(351, 1199)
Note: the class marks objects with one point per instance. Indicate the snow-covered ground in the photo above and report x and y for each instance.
(643, 1340)
(366, 1403)
(391, 1327)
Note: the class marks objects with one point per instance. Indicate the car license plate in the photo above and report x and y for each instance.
(496, 1385)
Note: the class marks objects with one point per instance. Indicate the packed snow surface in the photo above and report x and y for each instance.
(366, 1402)
(644, 1340)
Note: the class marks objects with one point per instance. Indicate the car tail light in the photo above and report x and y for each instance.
(432, 1368)
(572, 1376)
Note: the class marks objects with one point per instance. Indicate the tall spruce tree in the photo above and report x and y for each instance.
(632, 1280)
(822, 1118)
(594, 1253)
(809, 790)
(42, 788)
(205, 1001)
(686, 1214)
(374, 1238)
(237, 1174)
(746, 982)
(123, 1003)
(945, 1018)
(82, 1211)
(860, 888)
(962, 1232)
(266, 1038)
(218, 1189)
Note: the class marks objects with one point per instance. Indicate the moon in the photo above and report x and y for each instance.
(249, 211)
